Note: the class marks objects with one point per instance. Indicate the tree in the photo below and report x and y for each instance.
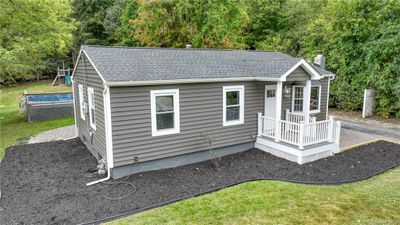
(33, 32)
(362, 42)
(91, 15)
(204, 24)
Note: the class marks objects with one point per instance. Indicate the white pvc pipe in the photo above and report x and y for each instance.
(101, 180)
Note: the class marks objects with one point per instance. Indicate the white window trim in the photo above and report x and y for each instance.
(293, 96)
(319, 100)
(90, 104)
(81, 102)
(153, 95)
(239, 88)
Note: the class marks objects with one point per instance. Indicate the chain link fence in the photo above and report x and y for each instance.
(47, 106)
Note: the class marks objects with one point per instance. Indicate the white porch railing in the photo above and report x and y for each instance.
(299, 133)
(297, 117)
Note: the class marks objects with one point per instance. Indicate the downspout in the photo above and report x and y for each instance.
(101, 180)
(107, 111)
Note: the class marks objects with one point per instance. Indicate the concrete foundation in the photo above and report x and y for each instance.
(175, 161)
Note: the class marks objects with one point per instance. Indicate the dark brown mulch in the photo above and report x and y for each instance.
(45, 183)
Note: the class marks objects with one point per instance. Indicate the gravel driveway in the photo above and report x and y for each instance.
(45, 183)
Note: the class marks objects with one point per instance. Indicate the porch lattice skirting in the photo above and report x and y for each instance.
(296, 140)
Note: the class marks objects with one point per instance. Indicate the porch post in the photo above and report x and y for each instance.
(330, 129)
(306, 103)
(260, 123)
(337, 137)
(278, 110)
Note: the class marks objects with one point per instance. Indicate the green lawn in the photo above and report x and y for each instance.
(14, 127)
(374, 201)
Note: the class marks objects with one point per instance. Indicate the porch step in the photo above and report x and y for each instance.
(294, 154)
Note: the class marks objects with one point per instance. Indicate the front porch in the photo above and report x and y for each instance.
(295, 125)
(297, 140)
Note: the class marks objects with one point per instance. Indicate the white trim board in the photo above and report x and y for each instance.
(266, 145)
(108, 127)
(76, 64)
(315, 75)
(187, 81)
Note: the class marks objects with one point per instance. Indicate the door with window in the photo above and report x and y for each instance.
(270, 101)
(270, 108)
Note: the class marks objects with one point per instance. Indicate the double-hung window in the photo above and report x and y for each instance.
(233, 105)
(81, 102)
(315, 99)
(164, 112)
(92, 108)
(298, 99)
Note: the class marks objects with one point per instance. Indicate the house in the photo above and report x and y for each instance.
(141, 109)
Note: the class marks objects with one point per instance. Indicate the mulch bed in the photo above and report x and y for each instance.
(46, 183)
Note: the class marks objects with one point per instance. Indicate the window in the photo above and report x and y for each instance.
(233, 105)
(81, 101)
(271, 93)
(315, 98)
(164, 112)
(298, 97)
(92, 108)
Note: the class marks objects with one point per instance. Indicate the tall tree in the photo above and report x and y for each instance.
(33, 32)
(175, 23)
(91, 15)
(362, 42)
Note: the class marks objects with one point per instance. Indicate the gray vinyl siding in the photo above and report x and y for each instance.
(200, 113)
(299, 74)
(86, 75)
(298, 77)
(324, 99)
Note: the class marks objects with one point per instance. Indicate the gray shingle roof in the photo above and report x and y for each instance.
(118, 64)
(322, 71)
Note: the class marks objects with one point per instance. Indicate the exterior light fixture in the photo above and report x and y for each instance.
(287, 91)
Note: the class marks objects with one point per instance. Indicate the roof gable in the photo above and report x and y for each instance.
(315, 75)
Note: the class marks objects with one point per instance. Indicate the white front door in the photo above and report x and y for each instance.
(270, 101)
(270, 109)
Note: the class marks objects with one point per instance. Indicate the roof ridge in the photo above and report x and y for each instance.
(186, 49)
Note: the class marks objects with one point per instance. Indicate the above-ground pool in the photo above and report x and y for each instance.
(63, 97)
(48, 106)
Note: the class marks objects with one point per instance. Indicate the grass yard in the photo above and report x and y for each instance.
(373, 201)
(14, 127)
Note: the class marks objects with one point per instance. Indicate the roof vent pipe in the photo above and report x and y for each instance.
(320, 60)
(188, 46)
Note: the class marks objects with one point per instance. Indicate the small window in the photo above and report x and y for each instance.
(81, 101)
(298, 98)
(92, 108)
(315, 98)
(233, 105)
(271, 93)
(165, 112)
